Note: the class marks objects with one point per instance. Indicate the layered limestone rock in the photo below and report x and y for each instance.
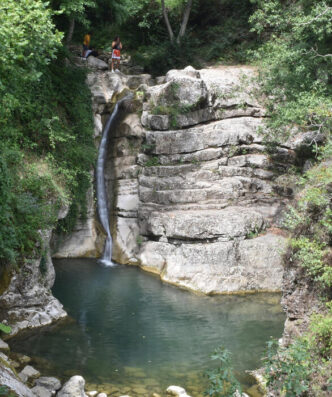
(28, 302)
(197, 197)
(87, 239)
(194, 195)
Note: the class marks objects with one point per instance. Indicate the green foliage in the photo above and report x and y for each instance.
(222, 381)
(294, 65)
(217, 30)
(46, 149)
(320, 334)
(6, 329)
(152, 162)
(139, 240)
(6, 392)
(28, 42)
(253, 233)
(310, 221)
(288, 370)
(310, 255)
(304, 367)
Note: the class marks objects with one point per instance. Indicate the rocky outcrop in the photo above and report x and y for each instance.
(197, 197)
(28, 302)
(87, 239)
(74, 387)
(10, 381)
(300, 299)
(176, 391)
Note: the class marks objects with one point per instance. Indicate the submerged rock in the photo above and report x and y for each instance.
(176, 391)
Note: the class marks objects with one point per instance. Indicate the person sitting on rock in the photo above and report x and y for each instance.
(86, 44)
(116, 53)
(92, 52)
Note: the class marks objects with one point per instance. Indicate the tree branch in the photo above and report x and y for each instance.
(317, 16)
(184, 21)
(168, 25)
(319, 55)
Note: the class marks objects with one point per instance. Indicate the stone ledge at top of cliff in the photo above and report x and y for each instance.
(189, 97)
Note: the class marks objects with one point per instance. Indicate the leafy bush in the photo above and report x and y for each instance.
(46, 149)
(222, 381)
(304, 367)
(6, 329)
(288, 370)
(294, 64)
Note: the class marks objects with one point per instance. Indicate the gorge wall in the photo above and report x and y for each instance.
(197, 196)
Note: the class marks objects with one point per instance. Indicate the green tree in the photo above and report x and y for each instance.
(296, 64)
(184, 23)
(28, 39)
(75, 11)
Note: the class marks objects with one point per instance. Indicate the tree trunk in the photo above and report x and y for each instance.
(184, 21)
(70, 31)
(168, 25)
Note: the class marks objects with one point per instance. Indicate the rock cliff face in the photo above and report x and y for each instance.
(194, 195)
(27, 302)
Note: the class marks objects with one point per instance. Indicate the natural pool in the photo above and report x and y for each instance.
(136, 335)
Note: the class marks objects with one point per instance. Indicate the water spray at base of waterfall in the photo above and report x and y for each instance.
(102, 204)
(106, 259)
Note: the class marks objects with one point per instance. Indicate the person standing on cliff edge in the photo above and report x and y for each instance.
(116, 53)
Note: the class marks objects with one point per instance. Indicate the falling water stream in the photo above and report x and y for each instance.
(102, 204)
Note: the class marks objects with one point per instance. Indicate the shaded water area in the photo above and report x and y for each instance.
(136, 335)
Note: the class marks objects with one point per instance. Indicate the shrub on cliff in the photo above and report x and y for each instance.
(295, 65)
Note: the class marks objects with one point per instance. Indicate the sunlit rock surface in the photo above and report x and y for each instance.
(194, 195)
(28, 301)
(197, 197)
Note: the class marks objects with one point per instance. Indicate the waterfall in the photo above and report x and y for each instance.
(102, 204)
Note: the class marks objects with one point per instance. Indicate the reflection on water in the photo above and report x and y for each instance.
(132, 331)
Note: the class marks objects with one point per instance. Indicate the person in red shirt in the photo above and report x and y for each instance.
(116, 53)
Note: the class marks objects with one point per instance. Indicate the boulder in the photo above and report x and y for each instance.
(92, 393)
(9, 380)
(4, 346)
(49, 383)
(96, 63)
(28, 302)
(28, 373)
(41, 391)
(74, 387)
(176, 391)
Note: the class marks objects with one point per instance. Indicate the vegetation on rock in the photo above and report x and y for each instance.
(46, 149)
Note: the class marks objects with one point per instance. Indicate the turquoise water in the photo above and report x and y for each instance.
(136, 335)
